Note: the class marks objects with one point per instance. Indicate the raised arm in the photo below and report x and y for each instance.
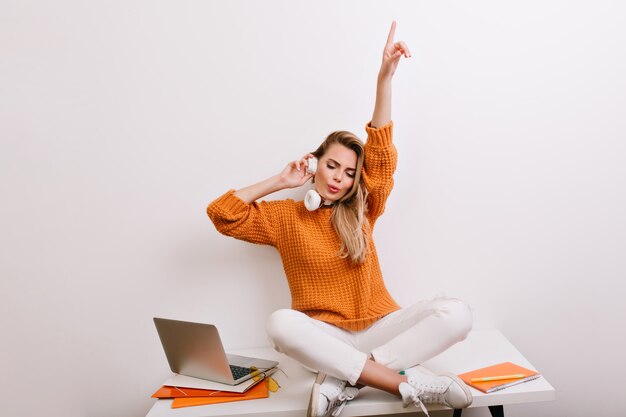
(293, 175)
(391, 56)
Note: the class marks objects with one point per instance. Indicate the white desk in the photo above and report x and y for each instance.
(481, 348)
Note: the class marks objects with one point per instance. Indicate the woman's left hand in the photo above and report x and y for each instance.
(392, 53)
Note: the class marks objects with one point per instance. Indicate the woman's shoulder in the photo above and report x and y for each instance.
(287, 202)
(285, 206)
(295, 210)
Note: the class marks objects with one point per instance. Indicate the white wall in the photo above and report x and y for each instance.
(120, 120)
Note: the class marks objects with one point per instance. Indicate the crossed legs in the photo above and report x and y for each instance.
(373, 356)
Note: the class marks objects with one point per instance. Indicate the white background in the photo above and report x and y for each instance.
(121, 120)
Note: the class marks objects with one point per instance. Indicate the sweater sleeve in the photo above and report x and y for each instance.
(381, 159)
(250, 222)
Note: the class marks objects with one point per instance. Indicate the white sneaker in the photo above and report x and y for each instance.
(446, 389)
(329, 395)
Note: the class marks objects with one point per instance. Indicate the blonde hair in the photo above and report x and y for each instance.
(348, 216)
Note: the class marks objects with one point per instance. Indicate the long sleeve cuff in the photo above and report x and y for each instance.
(227, 203)
(379, 136)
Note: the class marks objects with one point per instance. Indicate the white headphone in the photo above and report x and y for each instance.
(312, 200)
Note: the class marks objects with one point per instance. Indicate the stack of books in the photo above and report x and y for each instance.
(186, 391)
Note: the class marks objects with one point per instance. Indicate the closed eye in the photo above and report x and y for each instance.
(350, 172)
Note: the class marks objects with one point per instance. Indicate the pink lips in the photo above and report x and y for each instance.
(333, 189)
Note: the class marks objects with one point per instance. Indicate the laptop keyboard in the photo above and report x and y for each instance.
(239, 371)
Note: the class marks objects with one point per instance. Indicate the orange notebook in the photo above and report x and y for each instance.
(258, 391)
(499, 370)
(182, 392)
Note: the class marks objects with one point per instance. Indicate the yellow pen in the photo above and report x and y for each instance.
(498, 378)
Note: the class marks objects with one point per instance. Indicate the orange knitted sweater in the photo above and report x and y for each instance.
(323, 286)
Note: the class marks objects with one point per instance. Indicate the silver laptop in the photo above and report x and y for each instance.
(195, 349)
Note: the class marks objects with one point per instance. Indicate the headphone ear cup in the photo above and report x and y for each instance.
(312, 200)
(311, 166)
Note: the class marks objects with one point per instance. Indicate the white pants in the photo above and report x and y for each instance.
(400, 340)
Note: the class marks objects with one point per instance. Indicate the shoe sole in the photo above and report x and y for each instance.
(464, 387)
(315, 392)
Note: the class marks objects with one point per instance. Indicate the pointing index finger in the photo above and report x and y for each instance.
(392, 32)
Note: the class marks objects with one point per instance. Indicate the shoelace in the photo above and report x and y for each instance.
(433, 398)
(421, 396)
(417, 400)
(343, 399)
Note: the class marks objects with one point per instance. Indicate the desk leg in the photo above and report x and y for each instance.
(496, 410)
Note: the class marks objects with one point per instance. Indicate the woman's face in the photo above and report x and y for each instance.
(335, 172)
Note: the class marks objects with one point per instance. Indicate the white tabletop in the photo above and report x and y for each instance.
(481, 348)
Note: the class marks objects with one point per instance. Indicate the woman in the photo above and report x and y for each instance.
(343, 322)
